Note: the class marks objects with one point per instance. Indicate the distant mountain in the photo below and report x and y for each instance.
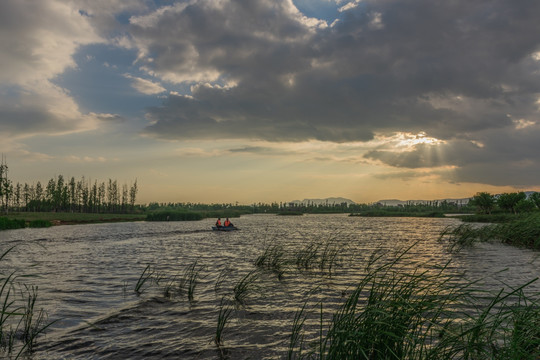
(331, 200)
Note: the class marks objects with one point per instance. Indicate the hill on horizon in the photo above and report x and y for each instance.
(330, 200)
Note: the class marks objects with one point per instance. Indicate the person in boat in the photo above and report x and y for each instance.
(218, 223)
(228, 223)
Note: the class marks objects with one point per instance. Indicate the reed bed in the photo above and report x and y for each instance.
(426, 312)
(191, 215)
(174, 216)
(8, 224)
(274, 259)
(323, 256)
(20, 322)
(419, 314)
(522, 231)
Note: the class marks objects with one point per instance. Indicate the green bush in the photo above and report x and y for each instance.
(6, 224)
(174, 216)
(39, 223)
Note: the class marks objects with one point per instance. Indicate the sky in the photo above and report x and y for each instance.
(220, 101)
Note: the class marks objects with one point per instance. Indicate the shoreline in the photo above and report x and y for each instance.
(46, 219)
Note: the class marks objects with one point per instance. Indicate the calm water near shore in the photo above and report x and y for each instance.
(86, 276)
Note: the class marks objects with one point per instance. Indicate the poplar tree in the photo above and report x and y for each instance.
(4, 185)
(72, 187)
(132, 195)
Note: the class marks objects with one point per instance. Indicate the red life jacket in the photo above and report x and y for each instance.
(227, 223)
(218, 223)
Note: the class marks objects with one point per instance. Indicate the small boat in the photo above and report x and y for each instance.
(224, 228)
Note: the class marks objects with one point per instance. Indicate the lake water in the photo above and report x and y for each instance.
(86, 276)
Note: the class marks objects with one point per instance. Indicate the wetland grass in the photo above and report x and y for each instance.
(24, 332)
(274, 259)
(145, 276)
(245, 287)
(32, 325)
(222, 276)
(421, 314)
(296, 339)
(523, 231)
(322, 255)
(189, 280)
(68, 218)
(224, 314)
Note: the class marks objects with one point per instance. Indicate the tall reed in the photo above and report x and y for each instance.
(422, 314)
(224, 314)
(521, 231)
(189, 280)
(24, 332)
(32, 325)
(245, 287)
(274, 259)
(145, 276)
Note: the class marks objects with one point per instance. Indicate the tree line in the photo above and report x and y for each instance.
(62, 195)
(515, 203)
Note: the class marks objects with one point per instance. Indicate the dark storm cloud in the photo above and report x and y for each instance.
(385, 66)
(461, 71)
(499, 158)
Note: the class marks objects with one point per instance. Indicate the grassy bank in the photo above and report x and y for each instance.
(292, 213)
(489, 218)
(60, 218)
(186, 215)
(523, 231)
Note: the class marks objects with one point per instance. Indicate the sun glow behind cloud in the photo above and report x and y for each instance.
(408, 140)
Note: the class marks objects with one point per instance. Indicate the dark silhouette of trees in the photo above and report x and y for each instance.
(484, 201)
(60, 195)
(509, 201)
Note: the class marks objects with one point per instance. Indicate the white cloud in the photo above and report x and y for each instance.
(145, 86)
(37, 43)
(85, 159)
(350, 5)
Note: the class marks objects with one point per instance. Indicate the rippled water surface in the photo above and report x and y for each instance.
(87, 274)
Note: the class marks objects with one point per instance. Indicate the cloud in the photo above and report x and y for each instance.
(115, 118)
(37, 41)
(505, 156)
(449, 69)
(458, 71)
(85, 159)
(466, 74)
(145, 86)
